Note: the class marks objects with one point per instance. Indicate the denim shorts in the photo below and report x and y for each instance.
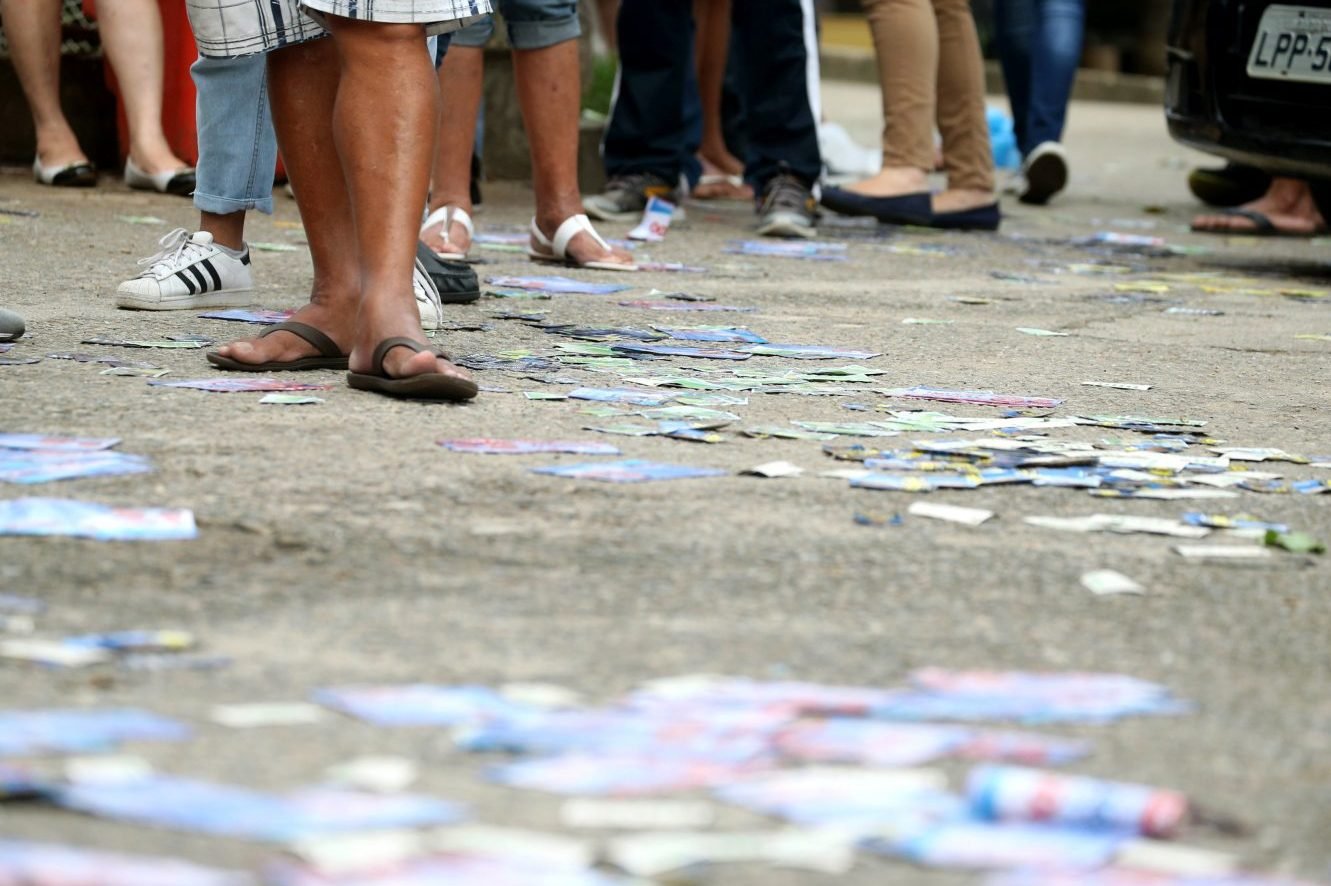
(531, 24)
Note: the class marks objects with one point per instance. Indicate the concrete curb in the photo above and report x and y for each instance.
(1102, 86)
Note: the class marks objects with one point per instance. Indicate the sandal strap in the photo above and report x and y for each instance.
(572, 227)
(449, 214)
(1260, 220)
(316, 339)
(382, 349)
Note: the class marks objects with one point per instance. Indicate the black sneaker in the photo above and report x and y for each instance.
(455, 280)
(787, 208)
(626, 196)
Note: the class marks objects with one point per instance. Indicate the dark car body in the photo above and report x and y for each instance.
(1280, 122)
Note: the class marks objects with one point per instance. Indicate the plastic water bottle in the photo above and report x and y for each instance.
(1002, 138)
(1013, 793)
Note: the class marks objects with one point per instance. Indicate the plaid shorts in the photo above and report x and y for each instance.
(231, 28)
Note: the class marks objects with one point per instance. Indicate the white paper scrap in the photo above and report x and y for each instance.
(248, 716)
(553, 850)
(774, 469)
(377, 774)
(1175, 860)
(52, 653)
(652, 854)
(541, 695)
(950, 513)
(636, 815)
(1116, 385)
(365, 851)
(1106, 581)
(1223, 552)
(106, 769)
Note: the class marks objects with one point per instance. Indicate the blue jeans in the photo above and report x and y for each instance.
(1039, 45)
(653, 119)
(237, 147)
(532, 24)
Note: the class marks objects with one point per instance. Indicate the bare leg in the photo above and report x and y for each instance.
(33, 29)
(228, 230)
(712, 49)
(1288, 203)
(132, 34)
(550, 95)
(383, 127)
(302, 88)
(606, 13)
(460, 82)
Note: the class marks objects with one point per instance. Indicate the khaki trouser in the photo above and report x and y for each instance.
(931, 70)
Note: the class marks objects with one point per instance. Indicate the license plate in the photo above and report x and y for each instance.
(1292, 43)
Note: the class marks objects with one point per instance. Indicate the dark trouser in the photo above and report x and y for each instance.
(649, 131)
(1039, 45)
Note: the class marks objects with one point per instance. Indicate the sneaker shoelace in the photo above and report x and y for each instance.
(177, 249)
(786, 192)
(636, 182)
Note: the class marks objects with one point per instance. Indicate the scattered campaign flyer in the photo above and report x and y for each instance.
(240, 385)
(488, 446)
(628, 471)
(82, 519)
(560, 285)
(76, 730)
(48, 864)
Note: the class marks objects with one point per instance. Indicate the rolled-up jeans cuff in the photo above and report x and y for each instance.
(227, 205)
(476, 34)
(542, 33)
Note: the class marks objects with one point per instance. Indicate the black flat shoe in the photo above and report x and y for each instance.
(903, 209)
(981, 218)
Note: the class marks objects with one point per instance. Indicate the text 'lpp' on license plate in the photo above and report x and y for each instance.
(1292, 43)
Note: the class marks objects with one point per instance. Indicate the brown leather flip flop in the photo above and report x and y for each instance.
(426, 386)
(330, 355)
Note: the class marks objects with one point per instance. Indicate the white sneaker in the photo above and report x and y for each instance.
(1046, 173)
(427, 299)
(190, 272)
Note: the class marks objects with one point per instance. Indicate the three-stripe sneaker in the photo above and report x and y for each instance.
(190, 272)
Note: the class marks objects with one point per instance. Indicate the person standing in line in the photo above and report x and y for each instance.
(355, 117)
(131, 32)
(647, 141)
(543, 34)
(931, 71)
(1039, 47)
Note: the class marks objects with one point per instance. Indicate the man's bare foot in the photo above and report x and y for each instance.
(719, 184)
(1287, 205)
(384, 317)
(893, 181)
(456, 240)
(583, 248)
(961, 199)
(282, 347)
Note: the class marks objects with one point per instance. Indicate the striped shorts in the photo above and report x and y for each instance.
(231, 28)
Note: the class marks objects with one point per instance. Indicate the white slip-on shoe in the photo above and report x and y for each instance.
(174, 181)
(190, 272)
(72, 175)
(427, 298)
(1045, 172)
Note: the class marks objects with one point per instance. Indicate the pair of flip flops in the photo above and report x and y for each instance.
(427, 386)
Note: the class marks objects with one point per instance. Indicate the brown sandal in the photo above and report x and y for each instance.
(426, 386)
(330, 355)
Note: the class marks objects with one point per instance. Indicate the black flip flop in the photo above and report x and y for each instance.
(426, 386)
(330, 355)
(1264, 226)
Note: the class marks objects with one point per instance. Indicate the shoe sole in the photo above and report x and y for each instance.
(1046, 176)
(222, 298)
(788, 228)
(602, 215)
